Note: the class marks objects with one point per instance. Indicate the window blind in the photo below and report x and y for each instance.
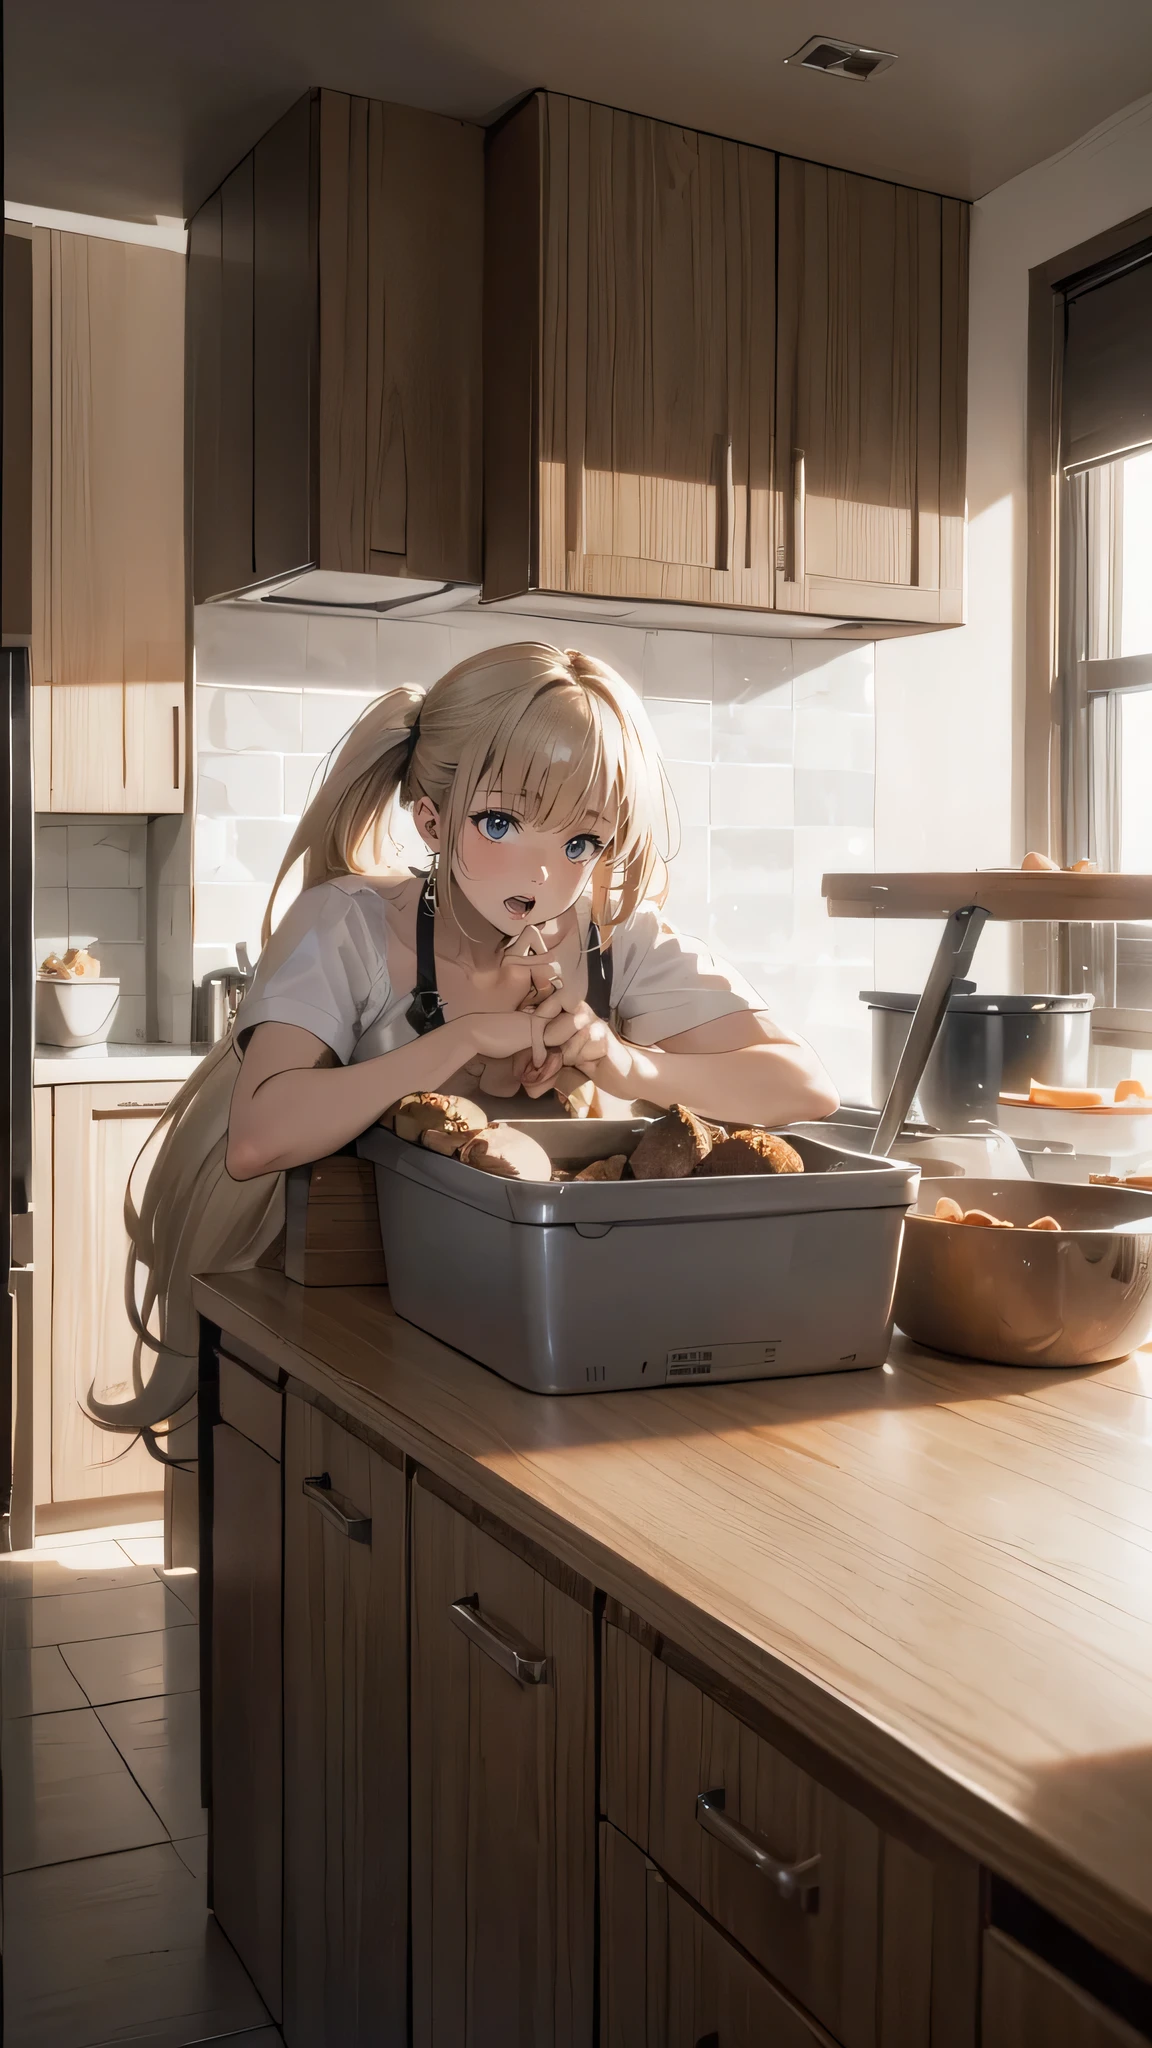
(1107, 398)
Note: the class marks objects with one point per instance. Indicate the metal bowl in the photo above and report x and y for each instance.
(1077, 1296)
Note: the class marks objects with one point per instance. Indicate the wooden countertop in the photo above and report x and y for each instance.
(940, 1572)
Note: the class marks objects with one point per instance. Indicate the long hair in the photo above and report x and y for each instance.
(552, 734)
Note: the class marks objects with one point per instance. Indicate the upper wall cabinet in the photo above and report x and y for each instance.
(334, 292)
(629, 338)
(676, 408)
(107, 547)
(871, 398)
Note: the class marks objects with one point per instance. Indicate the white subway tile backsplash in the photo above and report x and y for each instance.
(683, 729)
(234, 721)
(242, 850)
(329, 715)
(827, 737)
(127, 962)
(302, 775)
(227, 912)
(751, 796)
(839, 675)
(675, 664)
(130, 1024)
(105, 914)
(834, 796)
(687, 903)
(240, 786)
(689, 781)
(51, 856)
(754, 729)
(341, 651)
(111, 856)
(746, 670)
(756, 863)
(747, 926)
(829, 850)
(407, 651)
(50, 912)
(249, 643)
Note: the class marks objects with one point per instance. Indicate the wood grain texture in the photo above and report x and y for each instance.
(345, 1746)
(1003, 892)
(400, 239)
(111, 747)
(503, 1814)
(41, 455)
(869, 330)
(642, 367)
(116, 567)
(683, 1743)
(92, 1340)
(247, 1706)
(17, 437)
(670, 1980)
(1029, 2005)
(937, 1573)
(219, 344)
(42, 1182)
(332, 1225)
(284, 343)
(250, 1406)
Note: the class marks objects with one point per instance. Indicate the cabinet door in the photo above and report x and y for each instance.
(220, 376)
(650, 473)
(98, 1133)
(345, 1739)
(107, 747)
(872, 377)
(1027, 2004)
(503, 1822)
(284, 480)
(669, 1979)
(116, 564)
(247, 1708)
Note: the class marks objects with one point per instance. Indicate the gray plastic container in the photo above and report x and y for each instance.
(577, 1287)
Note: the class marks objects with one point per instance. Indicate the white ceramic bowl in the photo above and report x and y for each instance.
(72, 1013)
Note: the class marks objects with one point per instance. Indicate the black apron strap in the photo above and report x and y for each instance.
(424, 1011)
(599, 977)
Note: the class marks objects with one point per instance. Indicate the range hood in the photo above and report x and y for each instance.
(410, 597)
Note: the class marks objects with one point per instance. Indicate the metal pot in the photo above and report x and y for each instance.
(1075, 1296)
(986, 1044)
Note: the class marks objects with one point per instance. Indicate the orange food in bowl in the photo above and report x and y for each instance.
(1042, 1096)
(1129, 1091)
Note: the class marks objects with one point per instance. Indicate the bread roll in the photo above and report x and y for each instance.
(415, 1114)
(752, 1152)
(604, 1169)
(948, 1211)
(505, 1151)
(672, 1147)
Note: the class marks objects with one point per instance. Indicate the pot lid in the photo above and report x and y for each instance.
(964, 1001)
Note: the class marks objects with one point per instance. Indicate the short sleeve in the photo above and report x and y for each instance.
(664, 982)
(324, 969)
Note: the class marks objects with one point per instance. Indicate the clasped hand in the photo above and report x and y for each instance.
(542, 1039)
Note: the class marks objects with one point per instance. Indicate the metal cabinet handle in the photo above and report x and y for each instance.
(337, 1510)
(792, 1882)
(521, 1663)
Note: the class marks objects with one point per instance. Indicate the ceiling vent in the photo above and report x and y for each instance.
(844, 60)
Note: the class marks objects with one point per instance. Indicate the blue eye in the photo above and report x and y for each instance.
(494, 825)
(585, 846)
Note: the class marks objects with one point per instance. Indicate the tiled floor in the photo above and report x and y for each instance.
(107, 1938)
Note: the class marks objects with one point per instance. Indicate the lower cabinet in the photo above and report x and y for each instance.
(106, 747)
(503, 1800)
(246, 1838)
(345, 1739)
(669, 1979)
(1027, 2004)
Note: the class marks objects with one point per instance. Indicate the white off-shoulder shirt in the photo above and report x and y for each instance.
(326, 970)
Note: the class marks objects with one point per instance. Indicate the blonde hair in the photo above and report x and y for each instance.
(555, 735)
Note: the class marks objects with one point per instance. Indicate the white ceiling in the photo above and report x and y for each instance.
(136, 108)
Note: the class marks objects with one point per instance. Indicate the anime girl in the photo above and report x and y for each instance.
(532, 957)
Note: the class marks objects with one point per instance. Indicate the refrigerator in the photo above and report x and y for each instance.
(17, 990)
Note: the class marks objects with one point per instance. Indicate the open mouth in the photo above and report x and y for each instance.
(519, 906)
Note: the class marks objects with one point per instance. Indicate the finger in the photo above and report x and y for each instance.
(539, 1044)
(550, 1006)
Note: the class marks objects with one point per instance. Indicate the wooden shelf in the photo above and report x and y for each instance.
(1026, 896)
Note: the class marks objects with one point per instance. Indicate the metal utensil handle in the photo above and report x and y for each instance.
(797, 1883)
(951, 964)
(337, 1510)
(522, 1664)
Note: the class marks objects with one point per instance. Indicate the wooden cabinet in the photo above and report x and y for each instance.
(503, 1819)
(109, 747)
(669, 1979)
(246, 1700)
(676, 408)
(871, 405)
(334, 292)
(629, 340)
(97, 1134)
(1027, 2004)
(108, 443)
(345, 1738)
(16, 547)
